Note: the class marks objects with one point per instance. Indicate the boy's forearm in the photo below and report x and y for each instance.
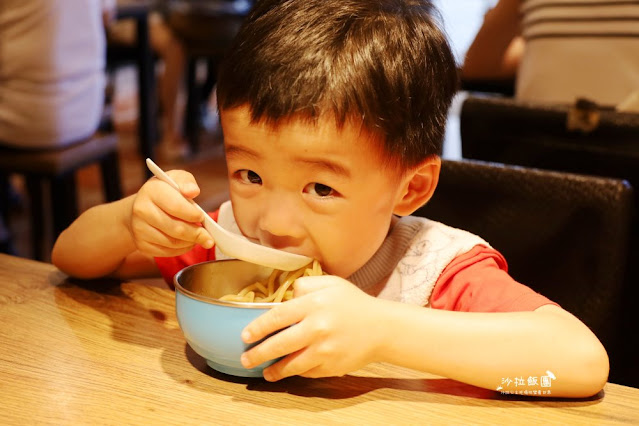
(489, 350)
(97, 243)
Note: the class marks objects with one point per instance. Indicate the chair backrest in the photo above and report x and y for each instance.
(564, 235)
(508, 131)
(512, 132)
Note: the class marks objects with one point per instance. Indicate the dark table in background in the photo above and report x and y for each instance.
(147, 124)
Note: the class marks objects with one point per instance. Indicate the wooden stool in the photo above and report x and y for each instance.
(57, 167)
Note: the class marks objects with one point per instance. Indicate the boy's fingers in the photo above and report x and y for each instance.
(275, 319)
(205, 239)
(306, 285)
(287, 341)
(178, 220)
(156, 243)
(295, 364)
(186, 181)
(193, 233)
(161, 200)
(155, 235)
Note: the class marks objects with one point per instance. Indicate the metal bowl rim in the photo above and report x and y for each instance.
(213, 300)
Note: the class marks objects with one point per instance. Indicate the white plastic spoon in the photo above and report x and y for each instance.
(238, 246)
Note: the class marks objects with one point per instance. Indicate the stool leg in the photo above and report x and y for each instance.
(64, 202)
(6, 242)
(4, 195)
(34, 188)
(147, 98)
(111, 181)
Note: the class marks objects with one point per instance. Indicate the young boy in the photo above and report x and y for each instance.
(333, 114)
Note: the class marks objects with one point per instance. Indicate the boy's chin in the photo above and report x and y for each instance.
(342, 271)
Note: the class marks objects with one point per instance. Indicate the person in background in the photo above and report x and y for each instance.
(333, 114)
(52, 60)
(560, 51)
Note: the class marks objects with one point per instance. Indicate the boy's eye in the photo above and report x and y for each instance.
(249, 176)
(319, 189)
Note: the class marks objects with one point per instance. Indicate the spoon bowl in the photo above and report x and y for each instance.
(235, 245)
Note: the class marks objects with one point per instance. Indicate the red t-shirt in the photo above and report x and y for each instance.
(476, 281)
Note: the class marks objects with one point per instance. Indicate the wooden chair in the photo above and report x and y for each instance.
(57, 168)
(564, 235)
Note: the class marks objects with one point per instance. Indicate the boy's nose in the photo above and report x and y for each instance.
(279, 223)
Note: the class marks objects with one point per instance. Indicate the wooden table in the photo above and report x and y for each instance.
(106, 352)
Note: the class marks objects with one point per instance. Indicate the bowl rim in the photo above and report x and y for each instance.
(212, 300)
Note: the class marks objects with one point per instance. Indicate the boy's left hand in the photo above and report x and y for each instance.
(331, 331)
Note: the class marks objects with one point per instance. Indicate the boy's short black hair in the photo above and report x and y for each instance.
(385, 62)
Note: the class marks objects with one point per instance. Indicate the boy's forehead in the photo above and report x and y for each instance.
(324, 132)
(300, 138)
(324, 123)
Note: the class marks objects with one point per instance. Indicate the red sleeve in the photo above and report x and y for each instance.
(478, 281)
(169, 266)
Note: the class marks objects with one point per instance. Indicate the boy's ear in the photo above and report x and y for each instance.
(418, 186)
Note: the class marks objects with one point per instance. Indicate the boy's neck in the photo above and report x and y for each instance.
(394, 220)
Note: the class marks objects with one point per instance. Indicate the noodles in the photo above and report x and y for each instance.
(276, 288)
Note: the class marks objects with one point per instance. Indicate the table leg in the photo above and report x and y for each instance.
(147, 93)
(192, 112)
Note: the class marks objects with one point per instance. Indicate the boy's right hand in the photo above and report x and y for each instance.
(163, 223)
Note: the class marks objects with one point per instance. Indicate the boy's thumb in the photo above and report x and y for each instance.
(189, 189)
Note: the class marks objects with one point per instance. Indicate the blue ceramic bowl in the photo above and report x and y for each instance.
(212, 327)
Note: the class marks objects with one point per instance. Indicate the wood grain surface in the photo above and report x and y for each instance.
(109, 352)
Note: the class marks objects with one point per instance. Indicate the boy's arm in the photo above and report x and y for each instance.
(337, 329)
(488, 349)
(121, 238)
(99, 243)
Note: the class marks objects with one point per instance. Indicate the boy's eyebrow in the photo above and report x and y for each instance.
(312, 162)
(240, 150)
(325, 164)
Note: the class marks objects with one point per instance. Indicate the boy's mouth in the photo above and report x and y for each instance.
(281, 246)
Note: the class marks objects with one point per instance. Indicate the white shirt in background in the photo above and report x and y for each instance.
(587, 49)
(52, 58)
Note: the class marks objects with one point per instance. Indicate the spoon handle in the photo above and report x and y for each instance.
(161, 174)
